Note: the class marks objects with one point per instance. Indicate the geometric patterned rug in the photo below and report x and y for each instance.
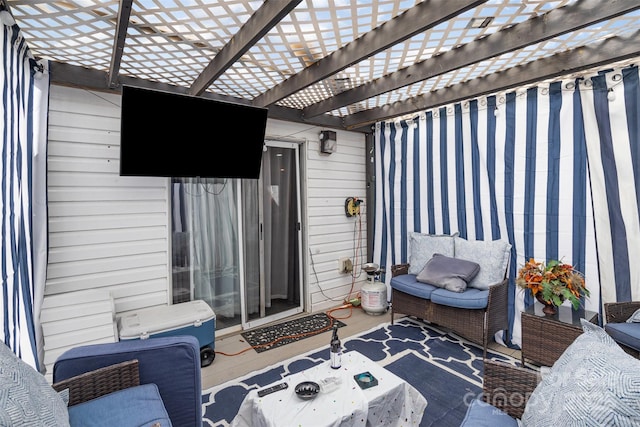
(446, 369)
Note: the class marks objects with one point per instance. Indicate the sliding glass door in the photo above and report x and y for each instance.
(273, 238)
(237, 243)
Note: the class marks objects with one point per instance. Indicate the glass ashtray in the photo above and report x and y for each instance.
(307, 390)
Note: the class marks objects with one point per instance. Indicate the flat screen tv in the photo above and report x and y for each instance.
(174, 135)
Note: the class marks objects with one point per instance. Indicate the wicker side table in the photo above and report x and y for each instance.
(545, 338)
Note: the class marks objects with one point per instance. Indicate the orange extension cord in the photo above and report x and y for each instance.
(319, 331)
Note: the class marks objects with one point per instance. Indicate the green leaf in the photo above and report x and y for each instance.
(556, 300)
(552, 263)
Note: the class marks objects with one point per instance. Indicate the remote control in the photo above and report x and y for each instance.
(272, 389)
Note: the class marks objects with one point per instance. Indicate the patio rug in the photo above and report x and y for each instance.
(274, 336)
(445, 369)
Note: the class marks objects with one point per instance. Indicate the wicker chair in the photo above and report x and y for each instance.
(476, 325)
(505, 392)
(106, 388)
(508, 387)
(619, 312)
(100, 382)
(170, 364)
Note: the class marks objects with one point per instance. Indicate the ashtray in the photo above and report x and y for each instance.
(307, 390)
(365, 380)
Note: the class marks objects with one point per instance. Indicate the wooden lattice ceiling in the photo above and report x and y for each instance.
(338, 63)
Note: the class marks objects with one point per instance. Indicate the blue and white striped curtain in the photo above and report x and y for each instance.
(543, 168)
(611, 101)
(24, 90)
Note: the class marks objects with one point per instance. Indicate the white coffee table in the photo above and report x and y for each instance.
(393, 402)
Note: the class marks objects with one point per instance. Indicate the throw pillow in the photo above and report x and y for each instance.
(492, 256)
(450, 273)
(593, 383)
(635, 317)
(423, 246)
(26, 398)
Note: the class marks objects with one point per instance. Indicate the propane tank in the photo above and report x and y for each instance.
(373, 294)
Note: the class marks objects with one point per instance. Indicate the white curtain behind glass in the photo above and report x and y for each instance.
(207, 210)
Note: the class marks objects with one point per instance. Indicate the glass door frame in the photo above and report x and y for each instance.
(246, 323)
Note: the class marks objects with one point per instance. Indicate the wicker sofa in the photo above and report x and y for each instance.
(476, 313)
(626, 334)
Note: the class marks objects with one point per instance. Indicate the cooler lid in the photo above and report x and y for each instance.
(164, 318)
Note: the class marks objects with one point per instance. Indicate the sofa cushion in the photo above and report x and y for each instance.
(408, 284)
(139, 406)
(625, 333)
(481, 414)
(593, 383)
(492, 256)
(26, 398)
(450, 273)
(423, 246)
(471, 298)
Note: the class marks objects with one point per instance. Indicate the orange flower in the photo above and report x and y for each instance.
(555, 281)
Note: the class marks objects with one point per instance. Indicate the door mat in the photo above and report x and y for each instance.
(275, 336)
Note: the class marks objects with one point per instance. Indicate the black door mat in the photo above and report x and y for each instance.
(274, 336)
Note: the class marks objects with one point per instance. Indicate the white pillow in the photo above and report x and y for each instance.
(26, 398)
(594, 383)
(635, 317)
(422, 247)
(492, 256)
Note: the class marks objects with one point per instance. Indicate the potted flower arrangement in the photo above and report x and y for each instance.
(552, 283)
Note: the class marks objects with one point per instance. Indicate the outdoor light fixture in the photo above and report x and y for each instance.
(328, 142)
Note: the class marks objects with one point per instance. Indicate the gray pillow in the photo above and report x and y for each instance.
(593, 383)
(453, 274)
(423, 246)
(26, 398)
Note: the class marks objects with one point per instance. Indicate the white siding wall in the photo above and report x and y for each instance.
(105, 231)
(108, 244)
(80, 317)
(111, 233)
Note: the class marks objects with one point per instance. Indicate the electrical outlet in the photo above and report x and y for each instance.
(345, 265)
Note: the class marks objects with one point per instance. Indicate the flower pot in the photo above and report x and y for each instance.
(549, 307)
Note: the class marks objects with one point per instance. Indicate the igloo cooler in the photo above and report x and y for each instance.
(188, 318)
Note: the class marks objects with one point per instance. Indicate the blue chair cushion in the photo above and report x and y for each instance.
(481, 414)
(472, 298)
(143, 404)
(625, 333)
(408, 284)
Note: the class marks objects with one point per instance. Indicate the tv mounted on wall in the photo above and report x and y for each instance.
(174, 135)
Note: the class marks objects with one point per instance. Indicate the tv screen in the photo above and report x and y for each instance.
(174, 135)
